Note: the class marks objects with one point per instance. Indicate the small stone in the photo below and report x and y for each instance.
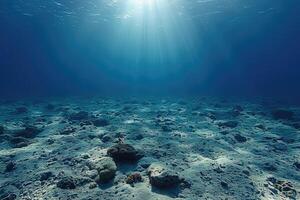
(280, 146)
(82, 181)
(260, 126)
(92, 173)
(238, 108)
(50, 107)
(21, 110)
(124, 152)
(269, 167)
(85, 156)
(224, 185)
(297, 165)
(45, 175)
(28, 132)
(282, 114)
(101, 122)
(228, 124)
(219, 170)
(146, 162)
(93, 185)
(166, 128)
(106, 168)
(246, 172)
(66, 183)
(1, 130)
(240, 138)
(134, 178)
(287, 139)
(19, 142)
(68, 131)
(10, 196)
(224, 132)
(10, 166)
(50, 141)
(296, 125)
(272, 180)
(163, 178)
(106, 138)
(284, 187)
(82, 115)
(235, 113)
(138, 137)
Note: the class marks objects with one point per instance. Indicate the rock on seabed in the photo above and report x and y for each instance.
(124, 152)
(162, 177)
(106, 168)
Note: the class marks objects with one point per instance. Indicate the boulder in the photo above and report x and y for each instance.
(106, 168)
(162, 177)
(124, 152)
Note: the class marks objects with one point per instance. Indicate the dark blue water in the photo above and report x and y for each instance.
(158, 47)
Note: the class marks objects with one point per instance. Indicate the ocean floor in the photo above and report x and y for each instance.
(156, 149)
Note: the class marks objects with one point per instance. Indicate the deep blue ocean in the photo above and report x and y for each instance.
(244, 48)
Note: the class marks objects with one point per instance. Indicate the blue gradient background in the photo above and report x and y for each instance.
(235, 52)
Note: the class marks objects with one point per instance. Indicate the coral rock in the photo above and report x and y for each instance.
(106, 168)
(124, 152)
(162, 178)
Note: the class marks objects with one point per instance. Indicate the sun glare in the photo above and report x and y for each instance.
(144, 2)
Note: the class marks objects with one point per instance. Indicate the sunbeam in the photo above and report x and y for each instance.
(152, 36)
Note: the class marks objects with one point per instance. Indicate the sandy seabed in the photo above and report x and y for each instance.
(194, 148)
